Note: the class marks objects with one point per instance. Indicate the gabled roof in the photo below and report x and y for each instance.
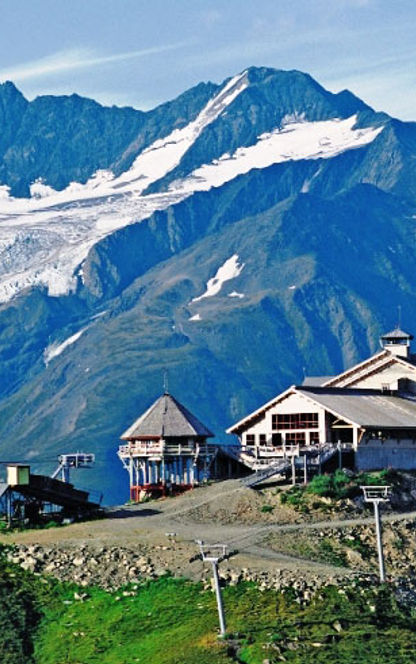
(316, 381)
(368, 409)
(375, 363)
(365, 408)
(259, 412)
(381, 356)
(166, 418)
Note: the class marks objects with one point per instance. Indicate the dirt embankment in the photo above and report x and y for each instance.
(269, 542)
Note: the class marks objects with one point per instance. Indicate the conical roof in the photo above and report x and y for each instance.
(166, 418)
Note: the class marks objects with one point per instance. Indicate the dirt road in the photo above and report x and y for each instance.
(153, 525)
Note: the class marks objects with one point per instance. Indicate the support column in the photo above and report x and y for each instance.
(305, 469)
(379, 541)
(293, 470)
(131, 469)
(219, 597)
(355, 438)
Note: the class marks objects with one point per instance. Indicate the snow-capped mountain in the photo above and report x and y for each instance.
(44, 238)
(238, 235)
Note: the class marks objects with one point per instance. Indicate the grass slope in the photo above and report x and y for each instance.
(172, 621)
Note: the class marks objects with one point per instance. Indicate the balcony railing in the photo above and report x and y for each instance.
(160, 448)
(257, 457)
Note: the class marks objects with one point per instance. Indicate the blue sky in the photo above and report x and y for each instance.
(144, 52)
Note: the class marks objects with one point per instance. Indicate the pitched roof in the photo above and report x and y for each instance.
(365, 408)
(397, 333)
(166, 418)
(372, 364)
(316, 381)
(235, 428)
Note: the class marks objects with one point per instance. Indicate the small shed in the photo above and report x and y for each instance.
(18, 474)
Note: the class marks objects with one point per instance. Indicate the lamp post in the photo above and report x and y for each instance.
(377, 495)
(213, 553)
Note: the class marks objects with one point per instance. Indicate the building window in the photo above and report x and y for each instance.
(262, 439)
(293, 439)
(314, 437)
(295, 421)
(250, 439)
(276, 439)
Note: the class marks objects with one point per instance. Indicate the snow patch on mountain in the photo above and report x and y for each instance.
(82, 214)
(45, 239)
(229, 270)
(292, 142)
(55, 349)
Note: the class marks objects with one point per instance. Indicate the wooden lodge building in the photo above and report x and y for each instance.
(369, 409)
(166, 449)
(367, 412)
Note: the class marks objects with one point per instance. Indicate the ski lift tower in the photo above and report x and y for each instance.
(377, 495)
(74, 460)
(213, 553)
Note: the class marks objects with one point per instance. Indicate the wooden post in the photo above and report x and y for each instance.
(339, 455)
(9, 508)
(131, 468)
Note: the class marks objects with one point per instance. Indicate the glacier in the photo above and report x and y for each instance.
(44, 239)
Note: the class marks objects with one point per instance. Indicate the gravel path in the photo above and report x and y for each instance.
(151, 524)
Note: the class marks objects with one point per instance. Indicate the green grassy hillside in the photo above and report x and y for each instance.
(173, 621)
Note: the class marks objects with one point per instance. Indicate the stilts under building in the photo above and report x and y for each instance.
(166, 450)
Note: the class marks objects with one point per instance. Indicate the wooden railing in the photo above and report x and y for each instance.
(160, 448)
(257, 457)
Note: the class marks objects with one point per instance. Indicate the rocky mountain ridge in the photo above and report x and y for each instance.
(249, 233)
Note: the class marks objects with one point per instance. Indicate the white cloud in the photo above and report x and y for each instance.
(77, 59)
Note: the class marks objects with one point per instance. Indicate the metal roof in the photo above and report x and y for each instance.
(365, 408)
(167, 418)
(397, 333)
(316, 381)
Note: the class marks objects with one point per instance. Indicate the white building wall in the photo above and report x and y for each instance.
(294, 403)
(388, 376)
